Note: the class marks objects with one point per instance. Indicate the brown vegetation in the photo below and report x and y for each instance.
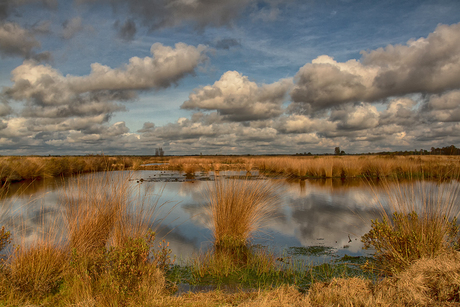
(27, 168)
(105, 258)
(17, 168)
(238, 208)
(326, 166)
(418, 220)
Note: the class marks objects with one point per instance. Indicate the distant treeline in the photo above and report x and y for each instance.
(448, 151)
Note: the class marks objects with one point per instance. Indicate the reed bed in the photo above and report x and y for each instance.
(369, 166)
(104, 256)
(29, 168)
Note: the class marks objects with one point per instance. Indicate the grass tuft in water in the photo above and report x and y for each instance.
(239, 208)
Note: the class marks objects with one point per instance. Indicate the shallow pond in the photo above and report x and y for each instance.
(316, 219)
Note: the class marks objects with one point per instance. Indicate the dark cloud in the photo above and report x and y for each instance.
(3, 125)
(127, 30)
(227, 43)
(157, 14)
(5, 109)
(42, 27)
(9, 6)
(147, 127)
(355, 117)
(16, 41)
(43, 57)
(401, 112)
(443, 108)
(427, 65)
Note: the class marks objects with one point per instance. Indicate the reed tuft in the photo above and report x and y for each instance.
(238, 208)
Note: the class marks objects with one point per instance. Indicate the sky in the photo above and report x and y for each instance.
(228, 77)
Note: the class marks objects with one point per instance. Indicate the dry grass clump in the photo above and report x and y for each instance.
(111, 243)
(238, 208)
(93, 208)
(342, 292)
(37, 271)
(419, 220)
(282, 296)
(427, 282)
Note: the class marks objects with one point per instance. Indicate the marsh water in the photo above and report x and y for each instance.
(316, 219)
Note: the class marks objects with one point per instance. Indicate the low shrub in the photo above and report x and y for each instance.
(408, 237)
(419, 221)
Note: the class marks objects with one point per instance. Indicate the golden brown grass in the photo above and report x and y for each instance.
(26, 168)
(37, 270)
(238, 208)
(427, 282)
(17, 168)
(329, 166)
(105, 257)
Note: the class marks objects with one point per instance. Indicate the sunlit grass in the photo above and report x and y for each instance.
(107, 257)
(418, 220)
(29, 168)
(369, 166)
(238, 208)
(104, 254)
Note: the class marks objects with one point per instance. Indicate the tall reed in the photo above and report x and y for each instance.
(238, 208)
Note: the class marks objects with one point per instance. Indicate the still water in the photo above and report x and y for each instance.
(328, 213)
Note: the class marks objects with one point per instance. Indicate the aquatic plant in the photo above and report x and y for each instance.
(238, 208)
